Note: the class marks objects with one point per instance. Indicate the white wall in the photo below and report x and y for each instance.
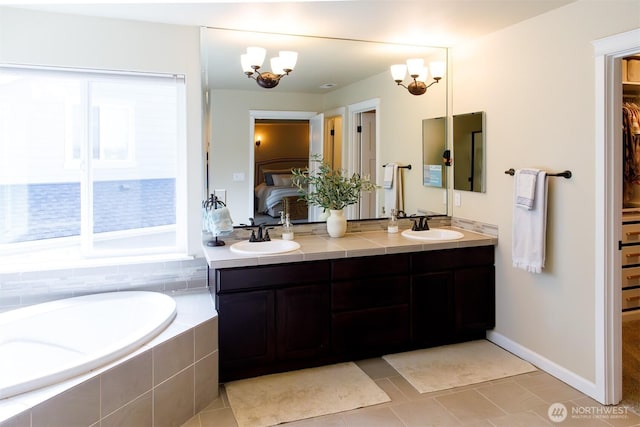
(535, 81)
(400, 122)
(48, 39)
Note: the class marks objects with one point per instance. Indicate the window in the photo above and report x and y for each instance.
(89, 163)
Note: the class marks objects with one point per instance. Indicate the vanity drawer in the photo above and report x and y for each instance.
(630, 255)
(374, 292)
(630, 277)
(371, 266)
(630, 298)
(630, 233)
(232, 279)
(429, 261)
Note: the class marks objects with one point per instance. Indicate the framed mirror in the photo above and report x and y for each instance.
(341, 87)
(469, 147)
(434, 144)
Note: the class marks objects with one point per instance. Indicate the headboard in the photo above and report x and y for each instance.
(280, 163)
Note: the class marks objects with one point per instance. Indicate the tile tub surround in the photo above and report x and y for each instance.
(364, 243)
(164, 383)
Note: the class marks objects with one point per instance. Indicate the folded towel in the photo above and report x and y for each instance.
(394, 194)
(525, 181)
(529, 229)
(218, 221)
(389, 171)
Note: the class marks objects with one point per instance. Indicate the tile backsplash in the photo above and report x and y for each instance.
(26, 288)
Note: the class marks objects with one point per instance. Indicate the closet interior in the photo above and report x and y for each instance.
(630, 239)
(631, 188)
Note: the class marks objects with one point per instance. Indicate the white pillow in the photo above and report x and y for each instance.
(283, 180)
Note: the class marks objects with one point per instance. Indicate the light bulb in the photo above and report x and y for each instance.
(288, 59)
(415, 66)
(398, 71)
(438, 69)
(256, 56)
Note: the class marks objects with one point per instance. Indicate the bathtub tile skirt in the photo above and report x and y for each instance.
(125, 393)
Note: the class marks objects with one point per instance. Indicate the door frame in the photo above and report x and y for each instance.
(352, 161)
(608, 227)
(266, 114)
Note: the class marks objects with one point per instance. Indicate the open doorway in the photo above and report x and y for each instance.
(280, 141)
(280, 145)
(609, 202)
(363, 154)
(630, 237)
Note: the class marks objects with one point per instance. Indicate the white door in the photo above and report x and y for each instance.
(368, 161)
(316, 144)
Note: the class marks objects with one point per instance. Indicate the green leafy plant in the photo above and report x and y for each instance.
(330, 188)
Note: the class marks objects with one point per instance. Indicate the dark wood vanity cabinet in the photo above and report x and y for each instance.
(369, 305)
(453, 295)
(290, 316)
(272, 318)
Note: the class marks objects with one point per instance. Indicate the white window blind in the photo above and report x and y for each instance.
(89, 162)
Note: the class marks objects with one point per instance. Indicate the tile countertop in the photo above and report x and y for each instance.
(365, 243)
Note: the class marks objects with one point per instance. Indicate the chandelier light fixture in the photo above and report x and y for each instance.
(418, 72)
(280, 66)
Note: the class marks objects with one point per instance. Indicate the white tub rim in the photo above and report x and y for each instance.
(108, 354)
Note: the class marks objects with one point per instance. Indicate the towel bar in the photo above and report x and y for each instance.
(401, 167)
(565, 174)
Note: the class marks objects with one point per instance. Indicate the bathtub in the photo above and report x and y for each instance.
(46, 343)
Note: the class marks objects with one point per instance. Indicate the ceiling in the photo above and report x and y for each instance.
(426, 22)
(439, 23)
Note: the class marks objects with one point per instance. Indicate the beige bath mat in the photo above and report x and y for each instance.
(456, 365)
(290, 396)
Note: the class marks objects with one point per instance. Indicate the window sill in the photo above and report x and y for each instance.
(44, 262)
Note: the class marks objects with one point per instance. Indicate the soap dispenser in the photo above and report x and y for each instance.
(287, 229)
(392, 226)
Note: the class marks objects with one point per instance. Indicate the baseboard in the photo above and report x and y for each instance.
(579, 383)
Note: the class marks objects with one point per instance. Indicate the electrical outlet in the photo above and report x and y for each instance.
(238, 176)
(456, 198)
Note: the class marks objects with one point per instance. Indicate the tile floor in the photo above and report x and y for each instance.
(519, 401)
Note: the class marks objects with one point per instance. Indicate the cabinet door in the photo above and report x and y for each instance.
(246, 328)
(475, 299)
(432, 309)
(302, 321)
(370, 332)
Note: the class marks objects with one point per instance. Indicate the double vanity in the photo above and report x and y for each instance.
(363, 295)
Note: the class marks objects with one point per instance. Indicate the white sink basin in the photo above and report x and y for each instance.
(433, 234)
(274, 246)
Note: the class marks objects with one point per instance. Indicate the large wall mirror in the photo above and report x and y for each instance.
(469, 147)
(337, 87)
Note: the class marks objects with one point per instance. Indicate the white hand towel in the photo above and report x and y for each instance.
(389, 172)
(529, 229)
(525, 181)
(218, 221)
(394, 195)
